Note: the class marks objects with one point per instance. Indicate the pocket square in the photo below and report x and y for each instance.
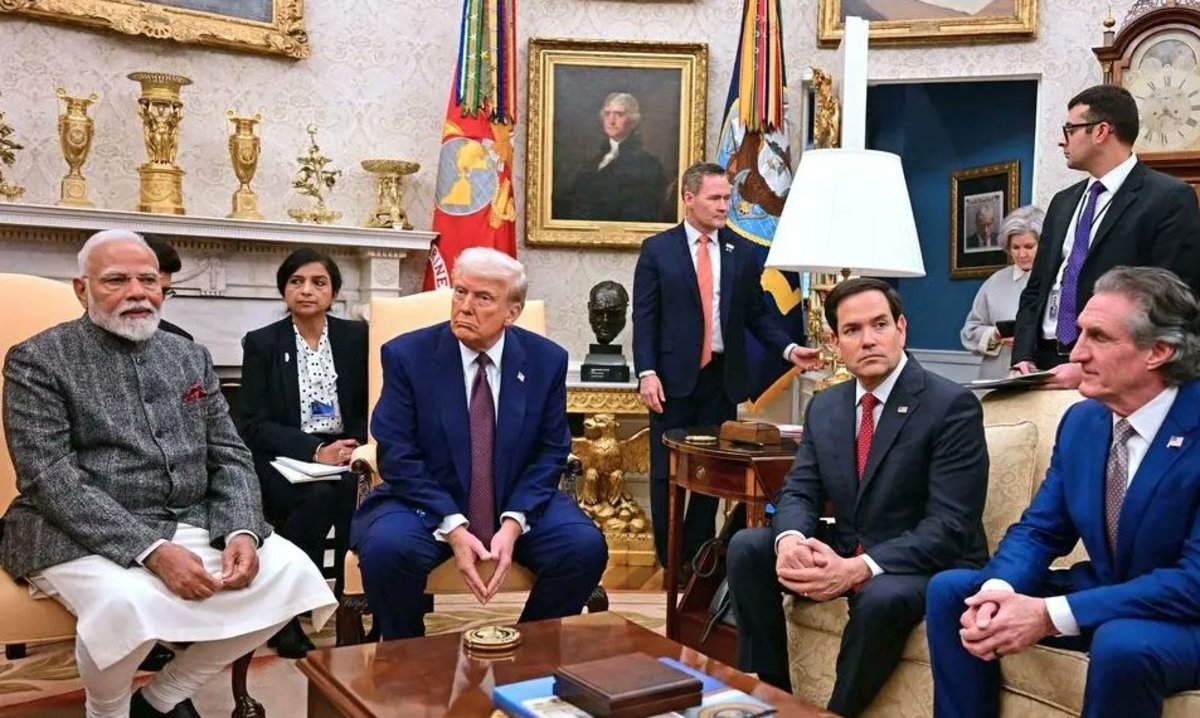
(194, 393)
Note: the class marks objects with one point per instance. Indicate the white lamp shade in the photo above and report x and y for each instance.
(848, 209)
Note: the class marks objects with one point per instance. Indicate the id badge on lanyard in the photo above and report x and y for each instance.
(322, 410)
(1052, 304)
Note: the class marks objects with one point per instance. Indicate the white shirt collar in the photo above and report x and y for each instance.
(1149, 417)
(693, 234)
(884, 390)
(1017, 273)
(1117, 175)
(495, 353)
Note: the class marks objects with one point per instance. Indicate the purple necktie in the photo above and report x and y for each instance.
(1066, 331)
(481, 502)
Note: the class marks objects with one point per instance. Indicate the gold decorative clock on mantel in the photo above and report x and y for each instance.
(1156, 56)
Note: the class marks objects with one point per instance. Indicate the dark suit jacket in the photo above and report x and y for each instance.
(422, 426)
(270, 396)
(1153, 221)
(175, 329)
(919, 507)
(115, 443)
(1155, 573)
(668, 327)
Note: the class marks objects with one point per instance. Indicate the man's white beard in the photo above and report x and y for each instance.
(135, 329)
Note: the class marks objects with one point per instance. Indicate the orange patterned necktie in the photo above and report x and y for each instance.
(704, 276)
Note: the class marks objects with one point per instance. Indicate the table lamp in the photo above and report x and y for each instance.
(847, 213)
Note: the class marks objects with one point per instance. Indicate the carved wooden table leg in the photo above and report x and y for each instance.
(244, 706)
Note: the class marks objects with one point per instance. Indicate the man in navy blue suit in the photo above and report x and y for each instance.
(1124, 478)
(899, 453)
(472, 434)
(695, 293)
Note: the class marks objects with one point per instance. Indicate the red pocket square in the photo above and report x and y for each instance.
(194, 393)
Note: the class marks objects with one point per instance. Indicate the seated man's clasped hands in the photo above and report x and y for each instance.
(139, 508)
(1123, 479)
(472, 442)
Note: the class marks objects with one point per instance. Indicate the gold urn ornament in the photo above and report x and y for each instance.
(313, 180)
(75, 133)
(244, 148)
(161, 110)
(389, 206)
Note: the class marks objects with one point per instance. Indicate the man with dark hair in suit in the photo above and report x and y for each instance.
(696, 292)
(1122, 214)
(139, 508)
(1124, 478)
(168, 264)
(900, 454)
(473, 440)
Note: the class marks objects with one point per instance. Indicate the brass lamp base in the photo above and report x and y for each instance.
(820, 334)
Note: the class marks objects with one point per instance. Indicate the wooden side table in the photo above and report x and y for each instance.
(735, 472)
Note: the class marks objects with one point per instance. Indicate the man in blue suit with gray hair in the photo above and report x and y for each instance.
(473, 439)
(1134, 500)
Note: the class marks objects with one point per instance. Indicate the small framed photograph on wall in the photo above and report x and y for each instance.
(980, 198)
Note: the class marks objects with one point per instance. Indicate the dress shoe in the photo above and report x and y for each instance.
(291, 642)
(158, 657)
(139, 707)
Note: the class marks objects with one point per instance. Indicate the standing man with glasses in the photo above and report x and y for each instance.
(1122, 214)
(168, 264)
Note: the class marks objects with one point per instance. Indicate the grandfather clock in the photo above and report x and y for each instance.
(1156, 56)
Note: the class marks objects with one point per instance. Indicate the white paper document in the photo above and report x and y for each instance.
(299, 472)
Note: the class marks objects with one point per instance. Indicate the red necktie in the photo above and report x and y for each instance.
(704, 276)
(862, 449)
(481, 501)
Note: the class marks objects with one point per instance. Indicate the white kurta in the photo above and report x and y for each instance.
(119, 608)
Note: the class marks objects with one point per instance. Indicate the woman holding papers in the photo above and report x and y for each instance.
(304, 407)
(988, 330)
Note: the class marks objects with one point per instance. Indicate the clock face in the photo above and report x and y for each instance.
(1164, 78)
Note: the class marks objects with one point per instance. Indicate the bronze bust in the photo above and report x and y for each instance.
(607, 304)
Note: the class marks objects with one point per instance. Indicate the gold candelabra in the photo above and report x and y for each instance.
(8, 155)
(313, 180)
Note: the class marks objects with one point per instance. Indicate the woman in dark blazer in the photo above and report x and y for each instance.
(304, 396)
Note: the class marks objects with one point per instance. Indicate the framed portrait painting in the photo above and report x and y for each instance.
(267, 26)
(930, 22)
(979, 200)
(612, 125)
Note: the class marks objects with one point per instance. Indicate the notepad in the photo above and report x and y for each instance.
(302, 472)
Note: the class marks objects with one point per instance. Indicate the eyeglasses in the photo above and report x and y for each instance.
(1070, 127)
(117, 282)
(168, 293)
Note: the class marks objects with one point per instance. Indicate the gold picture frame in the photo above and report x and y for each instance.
(976, 248)
(266, 26)
(940, 27)
(569, 82)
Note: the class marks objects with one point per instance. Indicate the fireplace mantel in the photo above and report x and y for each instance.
(227, 284)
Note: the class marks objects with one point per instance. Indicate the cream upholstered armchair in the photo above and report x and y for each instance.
(391, 317)
(43, 303)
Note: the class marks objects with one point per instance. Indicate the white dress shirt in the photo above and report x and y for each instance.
(1146, 422)
(714, 256)
(1112, 182)
(470, 369)
(881, 392)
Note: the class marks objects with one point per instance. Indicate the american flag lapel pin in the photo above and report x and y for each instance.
(286, 357)
(902, 410)
(1175, 442)
(729, 248)
(520, 377)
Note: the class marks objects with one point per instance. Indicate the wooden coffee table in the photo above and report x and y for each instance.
(435, 677)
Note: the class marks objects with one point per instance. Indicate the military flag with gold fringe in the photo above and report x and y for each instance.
(753, 147)
(473, 201)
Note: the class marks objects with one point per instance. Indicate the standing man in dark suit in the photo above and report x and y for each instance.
(1123, 214)
(900, 454)
(1125, 479)
(695, 293)
(473, 440)
(168, 264)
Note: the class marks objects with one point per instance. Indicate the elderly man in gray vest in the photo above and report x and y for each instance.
(139, 508)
